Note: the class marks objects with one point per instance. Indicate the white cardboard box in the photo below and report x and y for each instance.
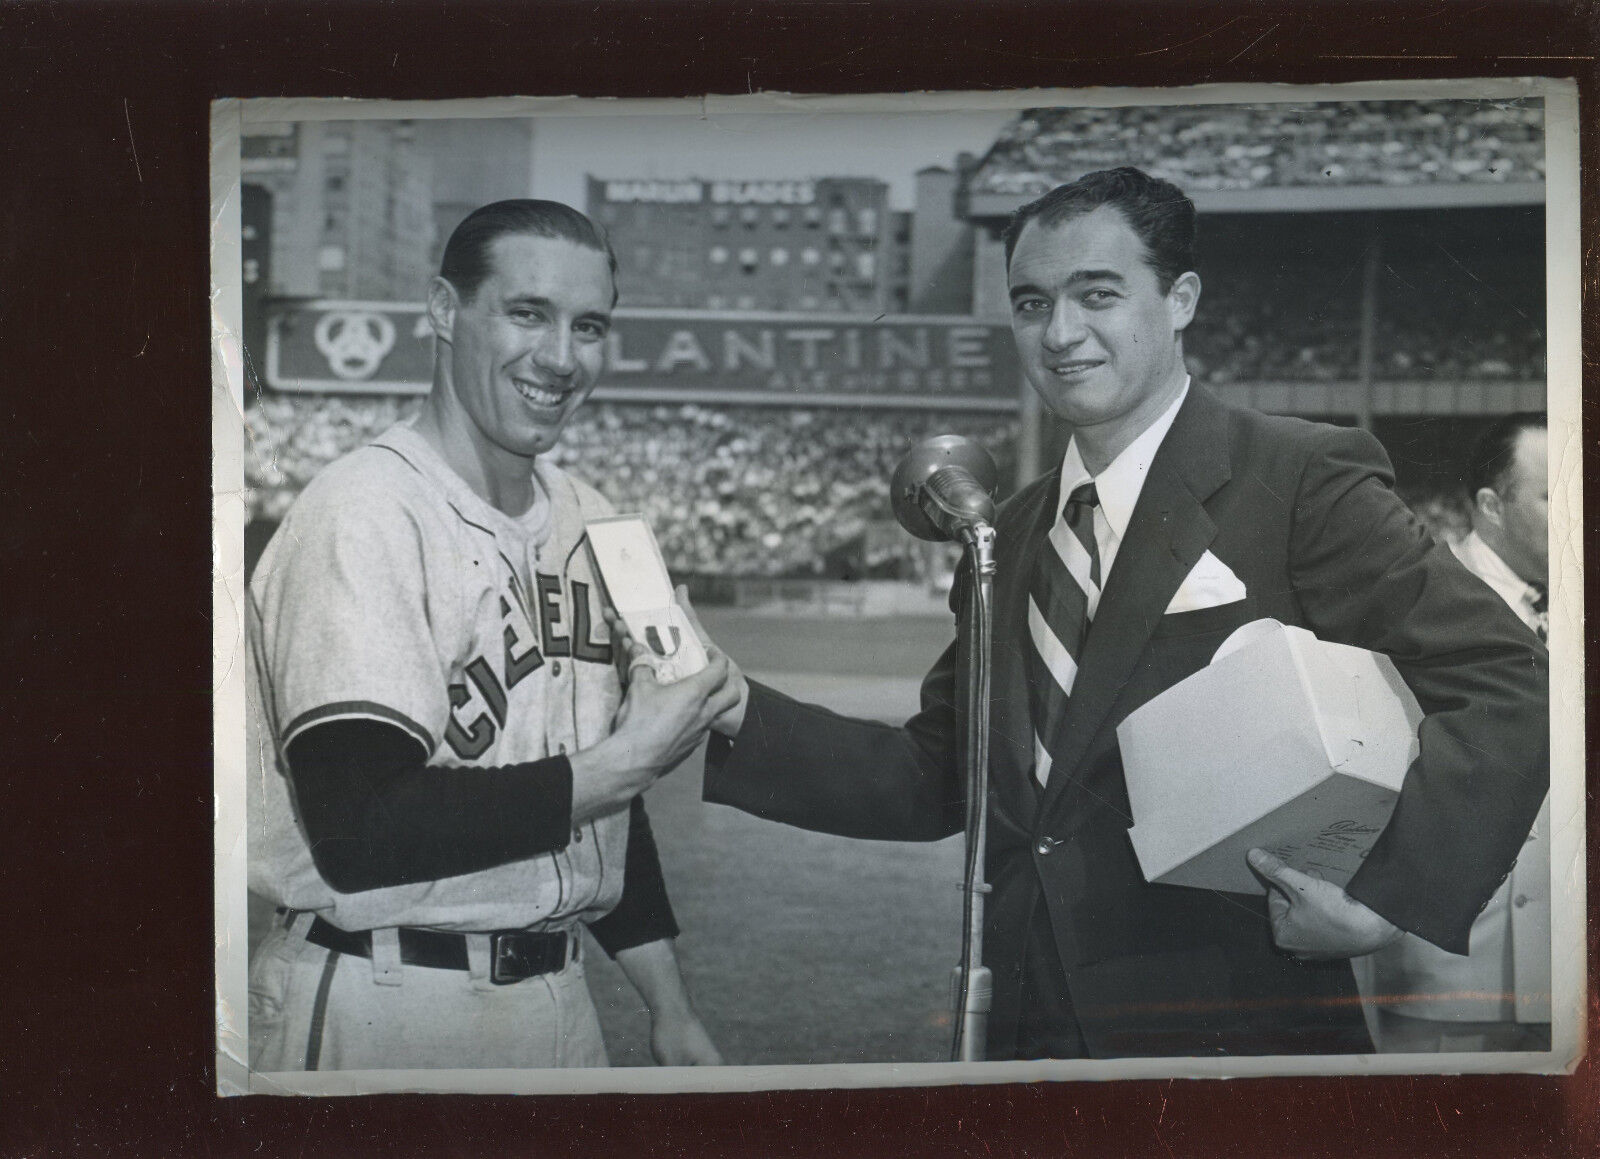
(629, 561)
(1284, 741)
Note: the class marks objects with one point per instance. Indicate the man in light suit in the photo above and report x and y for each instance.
(1497, 997)
(1172, 520)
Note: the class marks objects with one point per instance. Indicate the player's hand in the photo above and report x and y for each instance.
(731, 721)
(680, 1039)
(656, 728)
(1315, 920)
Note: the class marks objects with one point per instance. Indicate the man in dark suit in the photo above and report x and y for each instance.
(1172, 520)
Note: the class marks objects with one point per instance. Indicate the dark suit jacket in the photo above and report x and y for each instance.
(1305, 516)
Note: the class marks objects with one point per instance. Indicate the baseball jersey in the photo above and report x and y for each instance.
(392, 592)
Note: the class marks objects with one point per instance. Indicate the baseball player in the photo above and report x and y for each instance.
(446, 760)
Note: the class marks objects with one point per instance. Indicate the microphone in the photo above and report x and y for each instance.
(942, 488)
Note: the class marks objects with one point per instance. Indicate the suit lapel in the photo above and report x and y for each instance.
(1167, 534)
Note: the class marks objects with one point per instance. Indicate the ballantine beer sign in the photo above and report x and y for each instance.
(681, 355)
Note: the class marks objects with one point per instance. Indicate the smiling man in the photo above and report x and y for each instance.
(1172, 520)
(448, 766)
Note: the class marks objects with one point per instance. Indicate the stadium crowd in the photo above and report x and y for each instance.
(1216, 147)
(746, 491)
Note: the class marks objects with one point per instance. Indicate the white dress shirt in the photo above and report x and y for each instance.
(1119, 485)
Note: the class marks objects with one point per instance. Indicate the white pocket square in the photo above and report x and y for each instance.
(1209, 584)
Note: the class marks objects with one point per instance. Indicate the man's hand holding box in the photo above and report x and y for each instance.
(1286, 745)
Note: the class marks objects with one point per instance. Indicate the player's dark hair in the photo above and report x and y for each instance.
(1496, 451)
(465, 264)
(1158, 211)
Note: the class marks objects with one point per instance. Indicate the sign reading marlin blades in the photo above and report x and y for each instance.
(682, 355)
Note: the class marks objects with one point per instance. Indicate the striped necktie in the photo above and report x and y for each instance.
(1061, 603)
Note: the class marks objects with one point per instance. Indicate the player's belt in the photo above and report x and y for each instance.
(514, 955)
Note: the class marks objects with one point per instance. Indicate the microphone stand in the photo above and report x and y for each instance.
(941, 490)
(974, 985)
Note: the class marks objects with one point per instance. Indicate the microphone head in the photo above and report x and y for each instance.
(906, 487)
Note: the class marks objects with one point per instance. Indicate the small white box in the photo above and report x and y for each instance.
(630, 566)
(1284, 741)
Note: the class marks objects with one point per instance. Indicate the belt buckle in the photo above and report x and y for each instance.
(510, 960)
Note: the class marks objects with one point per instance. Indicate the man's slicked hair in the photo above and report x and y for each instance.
(1496, 451)
(1158, 212)
(465, 264)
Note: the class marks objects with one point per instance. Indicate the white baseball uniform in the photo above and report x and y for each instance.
(393, 593)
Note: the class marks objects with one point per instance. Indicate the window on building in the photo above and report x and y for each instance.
(747, 302)
(716, 302)
(809, 301)
(868, 219)
(718, 255)
(838, 222)
(866, 265)
(749, 259)
(780, 216)
(779, 256)
(330, 258)
(813, 216)
(749, 215)
(810, 255)
(721, 215)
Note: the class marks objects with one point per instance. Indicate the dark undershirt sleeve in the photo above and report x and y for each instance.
(644, 914)
(377, 815)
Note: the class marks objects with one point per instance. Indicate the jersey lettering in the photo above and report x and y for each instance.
(472, 740)
(517, 667)
(488, 684)
(467, 743)
(550, 615)
(583, 648)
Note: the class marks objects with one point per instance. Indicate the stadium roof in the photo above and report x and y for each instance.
(1282, 157)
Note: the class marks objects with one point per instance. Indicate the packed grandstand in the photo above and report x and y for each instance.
(1214, 147)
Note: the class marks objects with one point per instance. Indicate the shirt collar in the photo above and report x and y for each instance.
(1486, 563)
(1119, 485)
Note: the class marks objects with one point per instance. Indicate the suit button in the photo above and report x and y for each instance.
(1044, 847)
(555, 668)
(577, 836)
(1521, 900)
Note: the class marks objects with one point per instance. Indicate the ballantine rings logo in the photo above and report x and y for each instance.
(354, 341)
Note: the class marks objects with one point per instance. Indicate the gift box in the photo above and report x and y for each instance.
(1284, 742)
(628, 561)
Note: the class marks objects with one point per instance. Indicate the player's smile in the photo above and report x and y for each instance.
(539, 395)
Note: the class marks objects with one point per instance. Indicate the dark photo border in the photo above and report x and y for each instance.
(108, 1025)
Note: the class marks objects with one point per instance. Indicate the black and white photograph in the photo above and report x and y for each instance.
(778, 592)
